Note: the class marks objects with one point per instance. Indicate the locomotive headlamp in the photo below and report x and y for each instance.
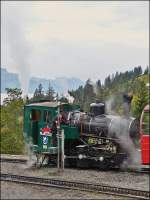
(101, 158)
(80, 156)
(110, 148)
(114, 149)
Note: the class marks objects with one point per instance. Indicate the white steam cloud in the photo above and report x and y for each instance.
(93, 85)
(109, 108)
(120, 126)
(19, 47)
(70, 98)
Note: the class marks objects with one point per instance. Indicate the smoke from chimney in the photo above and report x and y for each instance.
(19, 47)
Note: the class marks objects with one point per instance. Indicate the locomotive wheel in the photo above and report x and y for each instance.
(82, 164)
(52, 161)
(104, 166)
(70, 163)
(40, 160)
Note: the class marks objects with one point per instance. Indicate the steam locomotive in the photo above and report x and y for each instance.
(92, 139)
(105, 140)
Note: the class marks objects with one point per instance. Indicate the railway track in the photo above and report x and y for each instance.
(12, 160)
(90, 187)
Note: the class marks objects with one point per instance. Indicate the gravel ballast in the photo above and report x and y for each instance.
(112, 178)
(11, 190)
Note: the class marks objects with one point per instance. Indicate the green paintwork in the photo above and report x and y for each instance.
(70, 132)
(32, 128)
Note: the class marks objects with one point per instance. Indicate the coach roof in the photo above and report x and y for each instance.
(47, 104)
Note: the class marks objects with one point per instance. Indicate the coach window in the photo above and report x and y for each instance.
(35, 115)
(47, 116)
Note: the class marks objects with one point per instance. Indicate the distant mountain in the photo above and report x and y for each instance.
(8, 80)
(60, 85)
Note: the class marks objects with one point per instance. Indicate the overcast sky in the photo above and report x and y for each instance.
(74, 39)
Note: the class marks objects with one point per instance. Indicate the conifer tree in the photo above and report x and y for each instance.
(140, 98)
(50, 93)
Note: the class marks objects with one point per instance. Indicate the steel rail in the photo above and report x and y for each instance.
(101, 188)
(13, 160)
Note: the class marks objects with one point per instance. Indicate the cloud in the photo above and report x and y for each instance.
(67, 38)
(104, 22)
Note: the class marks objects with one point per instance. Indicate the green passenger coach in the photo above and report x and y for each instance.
(40, 125)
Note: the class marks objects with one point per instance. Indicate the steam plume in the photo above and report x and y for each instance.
(19, 47)
(109, 105)
(120, 126)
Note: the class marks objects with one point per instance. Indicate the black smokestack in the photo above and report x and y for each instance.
(97, 109)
